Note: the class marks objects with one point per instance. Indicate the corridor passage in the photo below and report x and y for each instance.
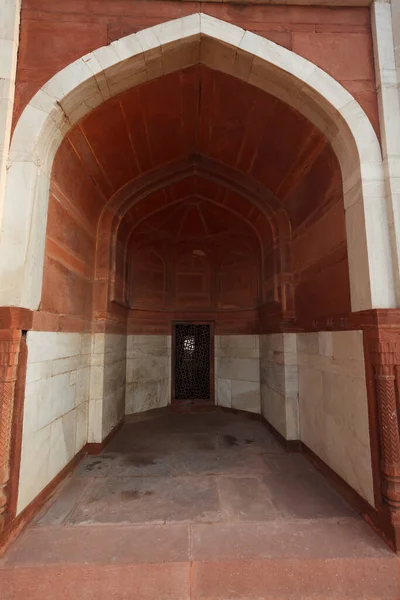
(200, 506)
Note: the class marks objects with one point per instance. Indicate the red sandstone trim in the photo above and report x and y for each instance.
(373, 423)
(23, 519)
(373, 516)
(12, 317)
(357, 502)
(15, 527)
(264, 319)
(16, 432)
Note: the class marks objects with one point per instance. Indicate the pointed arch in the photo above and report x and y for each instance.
(150, 53)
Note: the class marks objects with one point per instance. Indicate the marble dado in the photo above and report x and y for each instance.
(309, 386)
(56, 407)
(148, 372)
(334, 421)
(107, 384)
(279, 383)
(237, 372)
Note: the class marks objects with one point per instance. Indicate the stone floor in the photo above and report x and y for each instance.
(197, 506)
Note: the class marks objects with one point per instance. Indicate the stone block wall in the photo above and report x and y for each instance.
(148, 372)
(237, 372)
(55, 421)
(107, 384)
(333, 404)
(279, 383)
(114, 381)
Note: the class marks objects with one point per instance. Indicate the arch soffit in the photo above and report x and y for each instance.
(108, 71)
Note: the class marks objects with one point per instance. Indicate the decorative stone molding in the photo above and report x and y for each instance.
(9, 353)
(384, 350)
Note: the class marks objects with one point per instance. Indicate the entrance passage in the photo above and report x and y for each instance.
(192, 362)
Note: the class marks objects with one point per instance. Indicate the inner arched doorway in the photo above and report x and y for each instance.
(198, 194)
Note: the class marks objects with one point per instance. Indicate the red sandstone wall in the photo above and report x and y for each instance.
(319, 248)
(54, 33)
(74, 207)
(195, 282)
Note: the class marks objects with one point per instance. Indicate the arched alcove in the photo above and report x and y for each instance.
(196, 172)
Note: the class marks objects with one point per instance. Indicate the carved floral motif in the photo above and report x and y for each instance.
(9, 352)
(384, 347)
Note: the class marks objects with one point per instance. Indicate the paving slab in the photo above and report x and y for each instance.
(148, 500)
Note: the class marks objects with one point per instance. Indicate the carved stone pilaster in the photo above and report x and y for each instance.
(385, 354)
(9, 351)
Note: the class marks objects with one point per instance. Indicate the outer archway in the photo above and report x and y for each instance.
(91, 82)
(88, 82)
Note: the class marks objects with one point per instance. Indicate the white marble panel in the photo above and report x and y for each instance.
(325, 343)
(95, 419)
(56, 405)
(81, 425)
(147, 368)
(224, 392)
(148, 372)
(307, 343)
(164, 392)
(68, 344)
(237, 346)
(62, 443)
(334, 408)
(113, 410)
(114, 382)
(142, 396)
(273, 409)
(279, 382)
(34, 470)
(246, 395)
(114, 375)
(82, 388)
(245, 369)
(41, 346)
(237, 372)
(347, 345)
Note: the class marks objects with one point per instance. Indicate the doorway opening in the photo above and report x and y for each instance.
(193, 364)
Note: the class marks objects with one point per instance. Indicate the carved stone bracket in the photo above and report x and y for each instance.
(9, 352)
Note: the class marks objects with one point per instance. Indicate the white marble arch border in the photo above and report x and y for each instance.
(150, 53)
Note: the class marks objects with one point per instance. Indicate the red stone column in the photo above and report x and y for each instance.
(385, 354)
(10, 340)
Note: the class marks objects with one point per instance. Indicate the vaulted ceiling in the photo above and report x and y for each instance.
(194, 162)
(205, 112)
